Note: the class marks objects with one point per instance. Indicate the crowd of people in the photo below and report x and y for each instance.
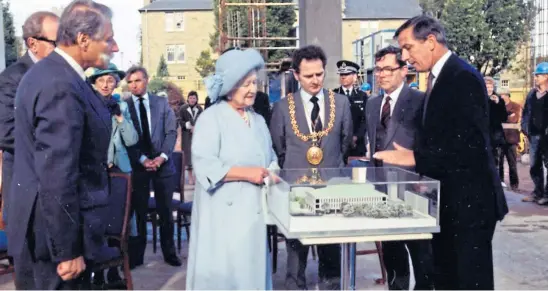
(62, 136)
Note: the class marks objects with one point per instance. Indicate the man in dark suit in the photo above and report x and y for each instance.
(454, 147)
(312, 109)
(348, 73)
(156, 125)
(394, 117)
(262, 105)
(62, 132)
(39, 33)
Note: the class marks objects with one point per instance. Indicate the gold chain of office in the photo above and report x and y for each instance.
(314, 135)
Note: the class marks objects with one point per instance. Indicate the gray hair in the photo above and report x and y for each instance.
(423, 26)
(83, 16)
(33, 25)
(136, 69)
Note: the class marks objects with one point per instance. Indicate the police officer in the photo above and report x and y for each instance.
(348, 73)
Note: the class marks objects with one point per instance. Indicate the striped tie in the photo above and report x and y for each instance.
(385, 113)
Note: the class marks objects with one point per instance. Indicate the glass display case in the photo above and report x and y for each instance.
(337, 202)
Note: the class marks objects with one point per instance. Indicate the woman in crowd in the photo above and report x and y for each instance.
(123, 134)
(231, 152)
(188, 115)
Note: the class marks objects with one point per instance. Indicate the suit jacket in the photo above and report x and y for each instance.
(163, 134)
(358, 100)
(526, 118)
(9, 80)
(291, 150)
(62, 131)
(454, 146)
(497, 115)
(514, 115)
(403, 124)
(123, 135)
(262, 106)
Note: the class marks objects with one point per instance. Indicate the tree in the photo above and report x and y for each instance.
(157, 85)
(162, 68)
(486, 33)
(279, 22)
(205, 65)
(10, 39)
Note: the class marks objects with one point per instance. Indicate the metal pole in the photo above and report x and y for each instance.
(345, 272)
(352, 271)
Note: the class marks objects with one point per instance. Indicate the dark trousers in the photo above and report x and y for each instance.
(396, 260)
(297, 254)
(163, 195)
(7, 175)
(463, 258)
(509, 152)
(538, 158)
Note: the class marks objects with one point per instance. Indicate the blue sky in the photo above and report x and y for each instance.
(126, 23)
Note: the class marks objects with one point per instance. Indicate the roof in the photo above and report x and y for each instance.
(178, 5)
(378, 9)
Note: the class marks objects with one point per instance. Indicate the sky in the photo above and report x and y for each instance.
(126, 23)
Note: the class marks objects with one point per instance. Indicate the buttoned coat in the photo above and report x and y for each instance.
(123, 135)
(228, 247)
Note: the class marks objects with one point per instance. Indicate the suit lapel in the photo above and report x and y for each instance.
(374, 121)
(397, 115)
(133, 114)
(300, 114)
(152, 100)
(444, 73)
(325, 120)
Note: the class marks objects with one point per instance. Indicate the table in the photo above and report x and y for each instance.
(348, 251)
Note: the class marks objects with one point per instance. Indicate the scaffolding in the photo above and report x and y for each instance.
(257, 37)
(539, 37)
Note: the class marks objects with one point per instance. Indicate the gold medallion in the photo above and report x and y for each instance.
(314, 155)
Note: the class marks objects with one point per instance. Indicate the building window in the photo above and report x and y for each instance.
(175, 54)
(174, 21)
(505, 83)
(170, 54)
(181, 78)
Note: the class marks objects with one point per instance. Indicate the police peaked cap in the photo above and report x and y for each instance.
(347, 67)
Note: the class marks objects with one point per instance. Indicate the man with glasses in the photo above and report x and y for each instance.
(39, 33)
(348, 74)
(392, 117)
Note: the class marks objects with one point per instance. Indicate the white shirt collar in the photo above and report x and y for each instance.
(135, 98)
(306, 96)
(32, 57)
(351, 89)
(436, 69)
(72, 63)
(394, 95)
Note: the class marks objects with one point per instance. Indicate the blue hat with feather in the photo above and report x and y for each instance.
(230, 69)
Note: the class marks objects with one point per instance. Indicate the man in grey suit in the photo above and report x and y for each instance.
(394, 118)
(311, 129)
(156, 125)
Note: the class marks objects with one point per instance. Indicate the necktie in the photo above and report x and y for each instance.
(429, 85)
(347, 92)
(146, 143)
(315, 115)
(385, 112)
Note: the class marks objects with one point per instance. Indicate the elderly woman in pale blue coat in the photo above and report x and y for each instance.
(231, 155)
(123, 134)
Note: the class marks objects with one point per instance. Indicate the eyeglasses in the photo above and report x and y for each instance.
(385, 70)
(53, 42)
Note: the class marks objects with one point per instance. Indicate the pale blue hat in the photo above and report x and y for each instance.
(231, 68)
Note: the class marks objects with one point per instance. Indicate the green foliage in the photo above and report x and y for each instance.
(279, 23)
(157, 85)
(486, 33)
(11, 41)
(162, 68)
(205, 65)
